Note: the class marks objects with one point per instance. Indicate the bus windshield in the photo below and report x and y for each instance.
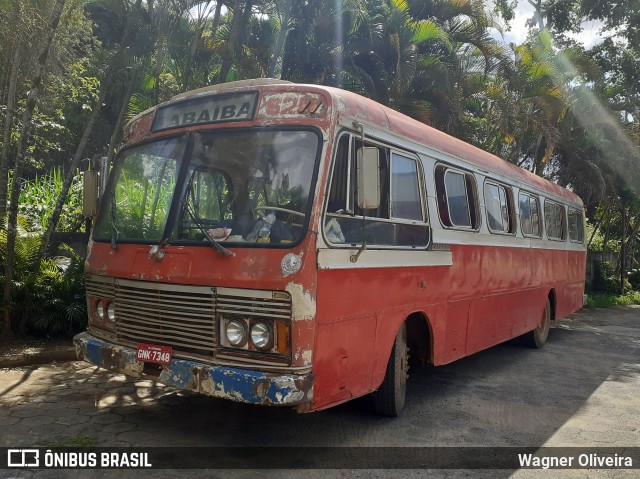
(237, 187)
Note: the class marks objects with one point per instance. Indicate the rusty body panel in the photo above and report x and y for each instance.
(236, 384)
(343, 318)
(489, 295)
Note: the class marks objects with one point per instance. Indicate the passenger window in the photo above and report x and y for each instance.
(529, 215)
(497, 200)
(456, 198)
(405, 188)
(576, 226)
(554, 219)
(398, 221)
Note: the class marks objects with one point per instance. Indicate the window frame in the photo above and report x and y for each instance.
(421, 188)
(392, 149)
(474, 184)
(508, 191)
(580, 225)
(563, 221)
(535, 197)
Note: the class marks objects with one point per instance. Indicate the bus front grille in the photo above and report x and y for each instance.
(174, 315)
(181, 316)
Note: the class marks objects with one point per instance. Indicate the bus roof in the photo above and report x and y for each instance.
(358, 107)
(372, 113)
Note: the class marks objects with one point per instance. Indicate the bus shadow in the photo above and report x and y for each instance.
(505, 396)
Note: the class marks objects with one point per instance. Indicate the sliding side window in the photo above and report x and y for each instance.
(555, 221)
(499, 205)
(398, 221)
(457, 198)
(530, 215)
(576, 226)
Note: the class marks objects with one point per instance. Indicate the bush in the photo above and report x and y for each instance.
(608, 300)
(48, 298)
(634, 279)
(38, 198)
(605, 279)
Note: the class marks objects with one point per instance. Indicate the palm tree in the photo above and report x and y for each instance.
(32, 100)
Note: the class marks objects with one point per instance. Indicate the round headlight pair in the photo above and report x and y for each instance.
(109, 312)
(260, 333)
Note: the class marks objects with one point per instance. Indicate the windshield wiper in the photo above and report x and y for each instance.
(217, 246)
(114, 228)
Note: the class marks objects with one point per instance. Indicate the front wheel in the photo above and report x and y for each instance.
(389, 399)
(538, 337)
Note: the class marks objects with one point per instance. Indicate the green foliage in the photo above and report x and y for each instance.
(57, 305)
(608, 300)
(634, 279)
(607, 281)
(47, 297)
(598, 238)
(39, 196)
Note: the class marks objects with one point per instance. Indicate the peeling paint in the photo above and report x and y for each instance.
(133, 369)
(207, 386)
(236, 384)
(307, 356)
(302, 302)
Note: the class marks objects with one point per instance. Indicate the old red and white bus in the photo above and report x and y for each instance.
(275, 243)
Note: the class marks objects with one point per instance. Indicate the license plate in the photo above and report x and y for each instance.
(152, 353)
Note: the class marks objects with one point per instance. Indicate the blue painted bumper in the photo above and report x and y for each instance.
(225, 382)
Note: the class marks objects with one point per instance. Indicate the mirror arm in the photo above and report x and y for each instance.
(354, 257)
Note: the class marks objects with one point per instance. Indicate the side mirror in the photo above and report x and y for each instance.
(368, 163)
(89, 194)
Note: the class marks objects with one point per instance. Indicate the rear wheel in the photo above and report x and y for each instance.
(538, 337)
(389, 399)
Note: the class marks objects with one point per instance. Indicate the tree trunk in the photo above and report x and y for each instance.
(115, 135)
(239, 27)
(32, 100)
(6, 141)
(605, 241)
(216, 19)
(68, 179)
(194, 46)
(158, 72)
(127, 37)
(597, 226)
(622, 248)
(282, 38)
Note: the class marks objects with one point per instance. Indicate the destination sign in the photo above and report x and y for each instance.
(206, 109)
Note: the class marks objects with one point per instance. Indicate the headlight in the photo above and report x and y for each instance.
(111, 312)
(261, 336)
(100, 309)
(236, 333)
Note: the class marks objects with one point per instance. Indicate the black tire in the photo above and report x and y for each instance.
(538, 337)
(389, 399)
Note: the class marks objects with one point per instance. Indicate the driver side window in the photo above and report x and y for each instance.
(210, 198)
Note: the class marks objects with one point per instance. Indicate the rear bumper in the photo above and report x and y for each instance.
(236, 384)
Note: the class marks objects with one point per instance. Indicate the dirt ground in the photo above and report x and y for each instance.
(582, 389)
